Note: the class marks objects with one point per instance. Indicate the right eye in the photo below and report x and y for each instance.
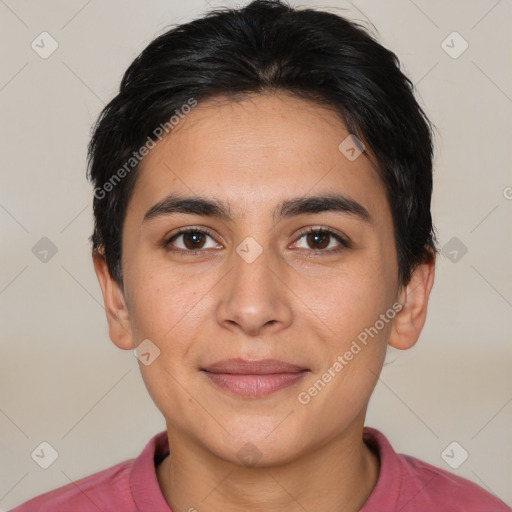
(192, 240)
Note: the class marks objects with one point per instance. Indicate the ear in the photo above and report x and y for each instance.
(118, 318)
(407, 325)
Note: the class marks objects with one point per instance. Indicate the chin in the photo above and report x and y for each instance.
(259, 454)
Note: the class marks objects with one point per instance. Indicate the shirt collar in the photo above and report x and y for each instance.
(148, 495)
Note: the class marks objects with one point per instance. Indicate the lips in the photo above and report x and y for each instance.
(261, 367)
(253, 379)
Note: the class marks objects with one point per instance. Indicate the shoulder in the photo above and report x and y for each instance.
(438, 489)
(89, 494)
(409, 484)
(129, 486)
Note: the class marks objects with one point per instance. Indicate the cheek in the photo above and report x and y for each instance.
(357, 317)
(163, 298)
(166, 308)
(353, 299)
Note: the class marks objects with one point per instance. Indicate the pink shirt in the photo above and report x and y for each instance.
(405, 484)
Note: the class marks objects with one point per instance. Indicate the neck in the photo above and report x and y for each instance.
(339, 476)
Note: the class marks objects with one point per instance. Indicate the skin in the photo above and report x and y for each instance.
(286, 304)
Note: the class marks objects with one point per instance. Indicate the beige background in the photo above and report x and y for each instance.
(63, 381)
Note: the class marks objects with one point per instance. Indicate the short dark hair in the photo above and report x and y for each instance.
(263, 47)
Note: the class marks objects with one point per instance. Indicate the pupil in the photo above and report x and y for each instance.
(196, 240)
(313, 239)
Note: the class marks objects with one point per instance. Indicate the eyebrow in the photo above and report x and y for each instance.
(198, 205)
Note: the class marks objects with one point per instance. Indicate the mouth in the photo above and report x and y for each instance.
(253, 379)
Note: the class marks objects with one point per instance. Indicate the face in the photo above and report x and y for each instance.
(277, 277)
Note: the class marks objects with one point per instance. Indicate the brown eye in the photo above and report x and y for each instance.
(319, 240)
(193, 240)
(322, 240)
(190, 240)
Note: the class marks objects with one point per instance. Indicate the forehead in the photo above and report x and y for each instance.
(254, 153)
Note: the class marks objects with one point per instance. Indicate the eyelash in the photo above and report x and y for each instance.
(344, 243)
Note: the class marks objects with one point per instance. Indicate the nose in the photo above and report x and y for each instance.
(255, 298)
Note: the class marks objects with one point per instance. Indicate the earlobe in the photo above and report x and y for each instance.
(407, 325)
(118, 317)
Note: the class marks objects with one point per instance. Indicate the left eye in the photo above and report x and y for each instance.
(323, 239)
